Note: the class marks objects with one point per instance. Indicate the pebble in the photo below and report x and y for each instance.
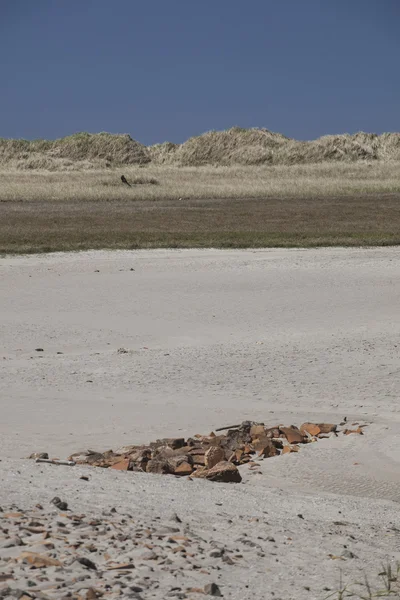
(211, 589)
(108, 556)
(217, 553)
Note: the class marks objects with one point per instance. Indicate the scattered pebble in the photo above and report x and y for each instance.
(78, 556)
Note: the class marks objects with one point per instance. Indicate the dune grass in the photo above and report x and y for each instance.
(322, 180)
(234, 146)
(222, 207)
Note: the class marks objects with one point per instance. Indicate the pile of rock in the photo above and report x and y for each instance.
(215, 457)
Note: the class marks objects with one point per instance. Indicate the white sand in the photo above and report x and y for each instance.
(213, 338)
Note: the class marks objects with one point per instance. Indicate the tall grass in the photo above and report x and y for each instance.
(300, 181)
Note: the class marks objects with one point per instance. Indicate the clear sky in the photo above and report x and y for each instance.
(169, 69)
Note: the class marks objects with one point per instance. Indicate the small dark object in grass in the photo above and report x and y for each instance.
(124, 180)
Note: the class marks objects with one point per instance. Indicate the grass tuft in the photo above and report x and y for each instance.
(387, 585)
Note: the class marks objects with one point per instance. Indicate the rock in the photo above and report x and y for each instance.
(59, 503)
(236, 438)
(183, 469)
(349, 431)
(176, 443)
(277, 442)
(163, 452)
(181, 451)
(140, 458)
(292, 435)
(236, 457)
(86, 562)
(200, 473)
(217, 553)
(149, 555)
(213, 456)
(268, 450)
(177, 460)
(288, 449)
(227, 559)
(173, 443)
(327, 427)
(159, 466)
(122, 465)
(198, 455)
(273, 432)
(211, 589)
(310, 428)
(87, 458)
(39, 560)
(263, 442)
(257, 431)
(174, 517)
(225, 472)
(39, 455)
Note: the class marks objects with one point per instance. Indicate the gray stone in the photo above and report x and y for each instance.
(217, 553)
(211, 589)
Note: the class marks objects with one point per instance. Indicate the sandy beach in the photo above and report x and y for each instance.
(101, 349)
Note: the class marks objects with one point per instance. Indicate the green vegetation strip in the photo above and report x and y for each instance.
(27, 227)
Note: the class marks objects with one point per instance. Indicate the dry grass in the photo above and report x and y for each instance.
(302, 205)
(202, 182)
(234, 146)
(78, 151)
(238, 146)
(387, 585)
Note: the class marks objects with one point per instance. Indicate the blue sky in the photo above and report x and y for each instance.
(169, 69)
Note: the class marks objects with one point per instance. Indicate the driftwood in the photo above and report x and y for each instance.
(67, 463)
(228, 427)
